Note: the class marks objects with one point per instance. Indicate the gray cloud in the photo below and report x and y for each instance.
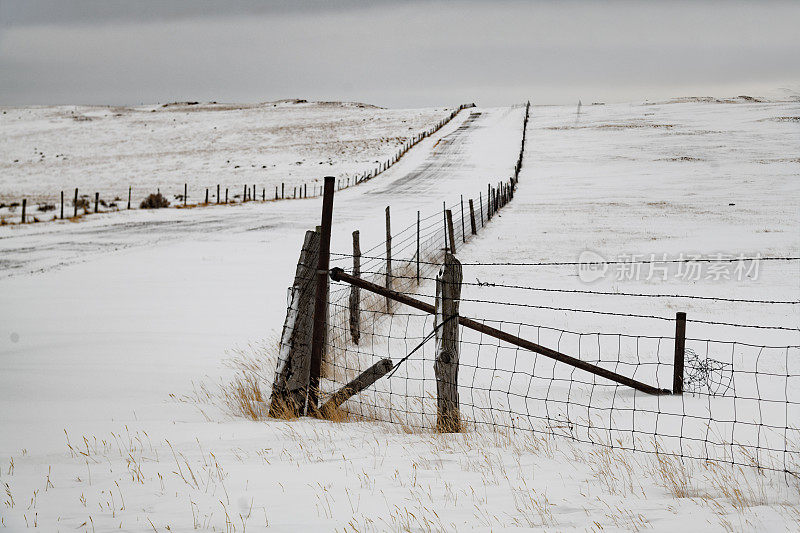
(392, 53)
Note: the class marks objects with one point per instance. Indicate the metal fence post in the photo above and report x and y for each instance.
(680, 352)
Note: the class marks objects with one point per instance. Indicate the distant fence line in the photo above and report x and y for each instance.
(85, 204)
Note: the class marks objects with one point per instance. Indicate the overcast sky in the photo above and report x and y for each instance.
(393, 53)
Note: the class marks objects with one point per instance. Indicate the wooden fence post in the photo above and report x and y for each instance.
(448, 294)
(444, 225)
(355, 293)
(206, 195)
(388, 258)
(276, 192)
(472, 218)
(217, 193)
(305, 190)
(480, 205)
(282, 190)
(244, 194)
(463, 229)
(226, 195)
(62, 205)
(417, 247)
(358, 384)
(24, 205)
(290, 387)
(75, 203)
(263, 194)
(96, 201)
(489, 203)
(185, 193)
(680, 352)
(319, 333)
(449, 217)
(130, 188)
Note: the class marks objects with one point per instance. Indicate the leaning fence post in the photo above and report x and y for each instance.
(480, 205)
(290, 387)
(206, 195)
(448, 293)
(321, 300)
(388, 258)
(449, 217)
(680, 352)
(226, 195)
(75, 203)
(24, 205)
(355, 293)
(472, 218)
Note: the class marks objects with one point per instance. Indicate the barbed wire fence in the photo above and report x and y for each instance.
(686, 397)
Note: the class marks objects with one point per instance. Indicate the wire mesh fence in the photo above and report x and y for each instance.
(740, 401)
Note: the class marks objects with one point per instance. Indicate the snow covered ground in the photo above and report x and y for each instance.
(106, 324)
(44, 150)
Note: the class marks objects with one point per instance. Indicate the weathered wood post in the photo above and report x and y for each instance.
(449, 218)
(253, 193)
(283, 185)
(24, 205)
(388, 258)
(463, 229)
(96, 201)
(263, 194)
(680, 352)
(355, 293)
(290, 387)
(448, 294)
(75, 203)
(226, 195)
(276, 192)
(185, 193)
(206, 195)
(321, 297)
(244, 194)
(480, 205)
(473, 228)
(294, 195)
(489, 203)
(358, 384)
(417, 248)
(62, 205)
(217, 193)
(130, 188)
(305, 190)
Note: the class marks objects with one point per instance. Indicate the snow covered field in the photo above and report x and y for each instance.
(106, 325)
(44, 150)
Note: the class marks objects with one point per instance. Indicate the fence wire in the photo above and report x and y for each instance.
(741, 401)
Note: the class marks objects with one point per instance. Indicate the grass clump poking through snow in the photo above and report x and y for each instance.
(245, 393)
(154, 201)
